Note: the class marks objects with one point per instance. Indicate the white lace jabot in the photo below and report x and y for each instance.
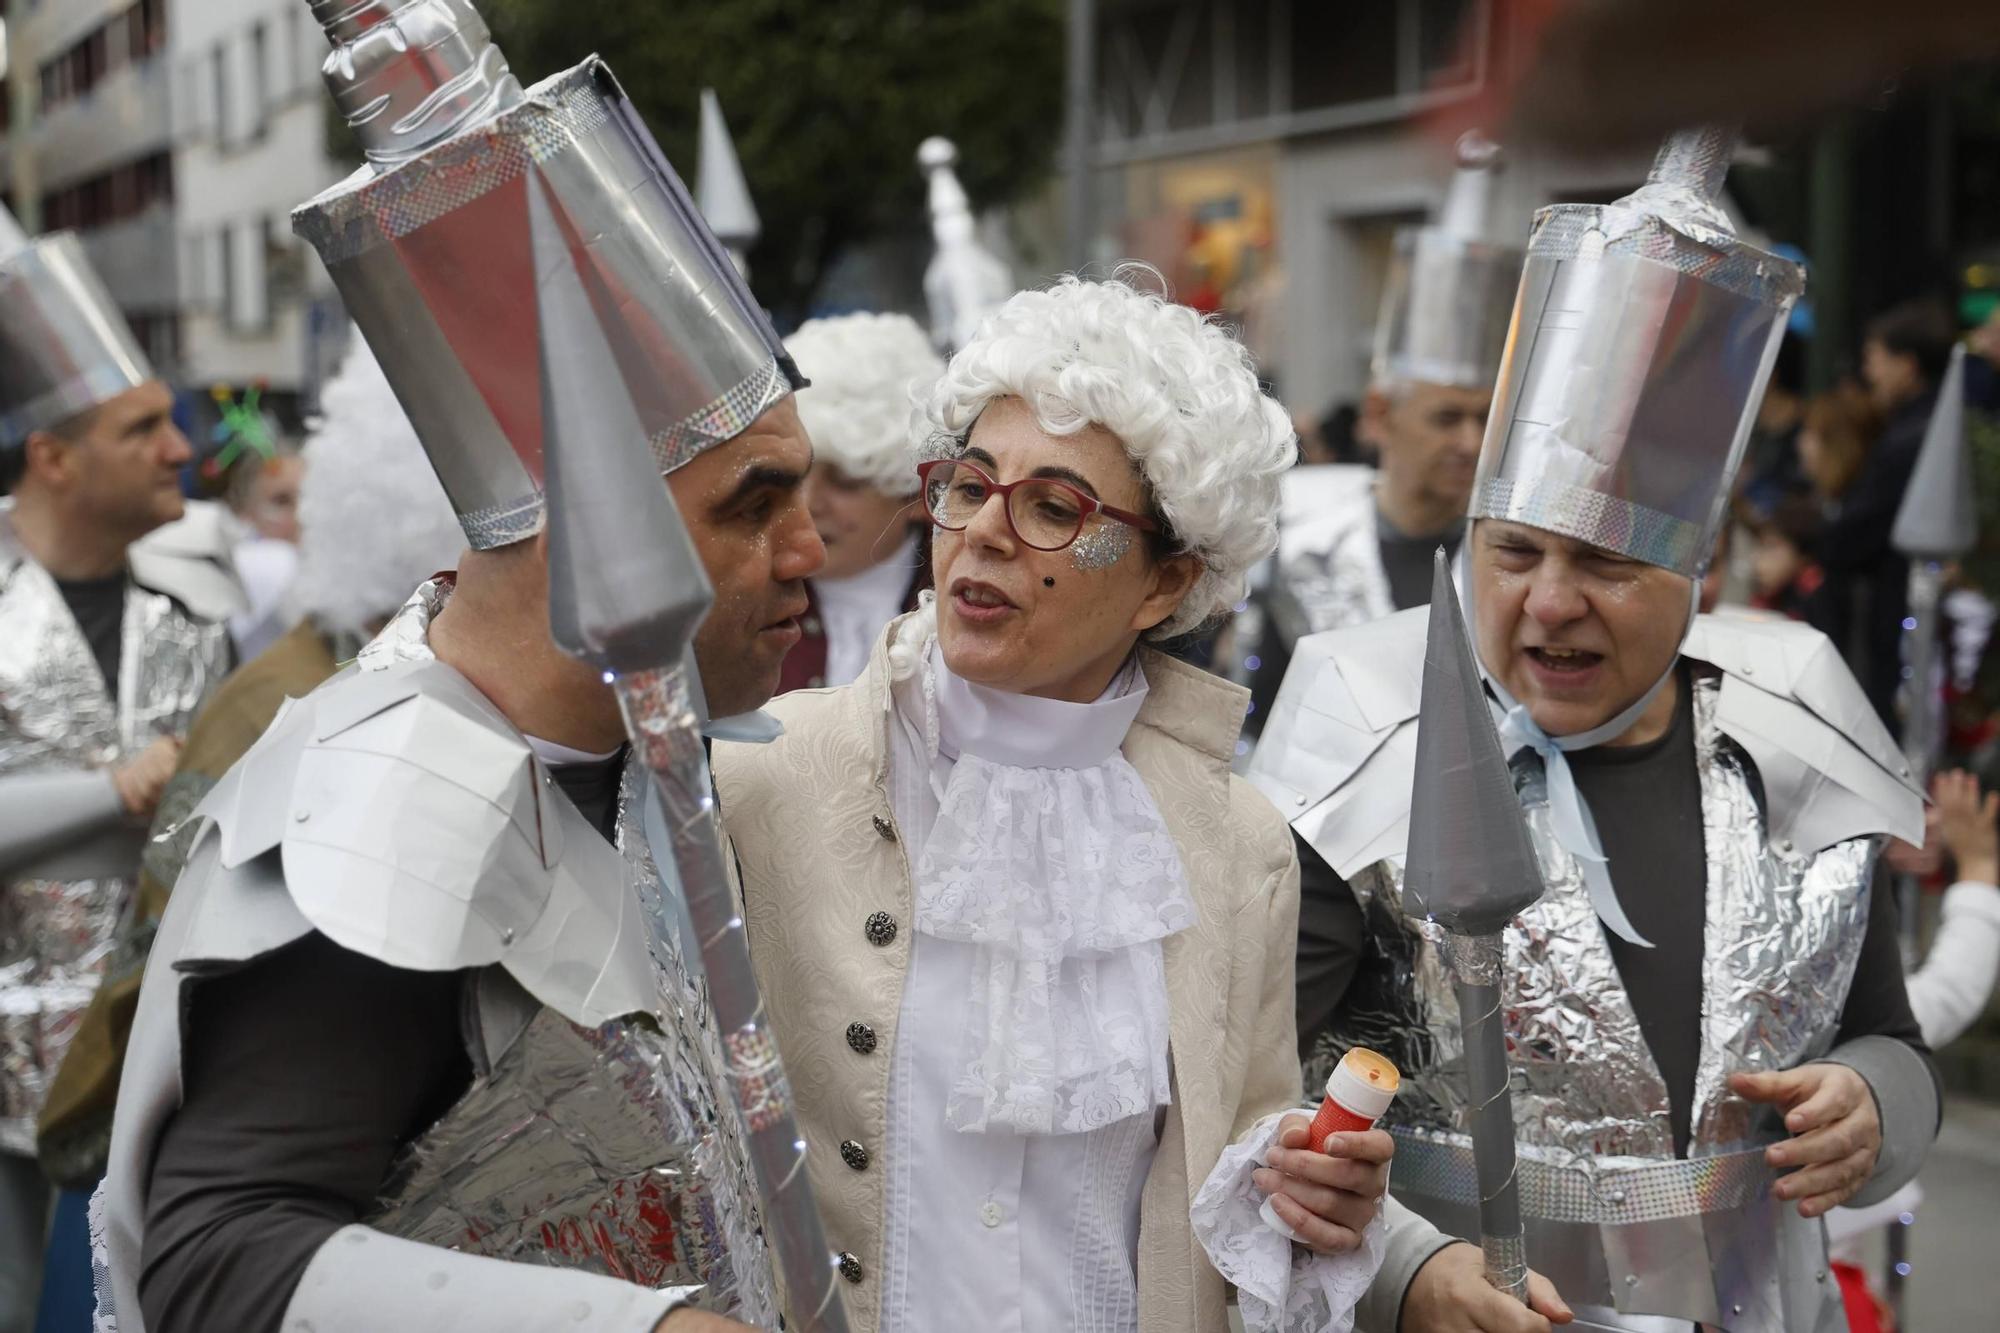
(1050, 857)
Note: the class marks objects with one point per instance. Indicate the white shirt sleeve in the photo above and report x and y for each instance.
(1950, 989)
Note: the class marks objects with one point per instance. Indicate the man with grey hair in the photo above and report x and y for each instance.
(1355, 543)
(112, 596)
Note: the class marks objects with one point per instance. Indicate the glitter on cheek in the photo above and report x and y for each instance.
(1101, 547)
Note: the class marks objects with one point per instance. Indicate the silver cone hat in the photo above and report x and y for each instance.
(1939, 516)
(1642, 338)
(1450, 288)
(1472, 866)
(64, 344)
(431, 248)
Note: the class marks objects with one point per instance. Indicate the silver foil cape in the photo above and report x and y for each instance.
(615, 1149)
(57, 714)
(1642, 337)
(433, 260)
(1613, 1219)
(64, 344)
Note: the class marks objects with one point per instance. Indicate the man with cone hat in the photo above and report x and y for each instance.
(1708, 1039)
(114, 595)
(431, 926)
(1355, 542)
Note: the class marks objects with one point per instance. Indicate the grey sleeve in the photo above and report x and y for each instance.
(1906, 1102)
(47, 811)
(362, 1281)
(1412, 1240)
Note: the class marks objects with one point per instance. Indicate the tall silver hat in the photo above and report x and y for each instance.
(1642, 339)
(1450, 288)
(64, 346)
(431, 247)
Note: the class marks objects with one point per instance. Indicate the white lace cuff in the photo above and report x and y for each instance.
(1281, 1287)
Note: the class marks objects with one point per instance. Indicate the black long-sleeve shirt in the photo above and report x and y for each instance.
(304, 1075)
(1646, 801)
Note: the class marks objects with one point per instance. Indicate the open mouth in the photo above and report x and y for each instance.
(1565, 661)
(979, 602)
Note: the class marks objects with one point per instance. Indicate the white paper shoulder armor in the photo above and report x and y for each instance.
(191, 560)
(1340, 746)
(1830, 769)
(410, 822)
(1339, 752)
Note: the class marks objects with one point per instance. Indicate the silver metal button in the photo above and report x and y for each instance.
(885, 828)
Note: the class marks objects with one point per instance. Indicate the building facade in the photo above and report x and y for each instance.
(250, 143)
(89, 146)
(1263, 153)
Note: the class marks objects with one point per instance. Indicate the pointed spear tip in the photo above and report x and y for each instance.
(1471, 865)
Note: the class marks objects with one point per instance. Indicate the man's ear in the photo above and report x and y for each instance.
(1173, 577)
(1372, 426)
(48, 458)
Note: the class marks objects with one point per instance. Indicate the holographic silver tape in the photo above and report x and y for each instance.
(502, 524)
(765, 1096)
(1595, 231)
(1592, 516)
(350, 219)
(1506, 1263)
(1555, 1188)
(724, 419)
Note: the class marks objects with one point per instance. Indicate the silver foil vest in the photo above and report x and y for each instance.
(1613, 1219)
(57, 712)
(1328, 571)
(613, 1149)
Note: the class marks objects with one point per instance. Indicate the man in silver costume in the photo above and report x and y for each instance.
(431, 926)
(108, 646)
(1355, 542)
(1708, 994)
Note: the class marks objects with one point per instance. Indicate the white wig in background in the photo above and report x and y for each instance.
(1178, 391)
(373, 520)
(866, 372)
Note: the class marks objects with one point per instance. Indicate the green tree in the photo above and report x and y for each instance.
(827, 101)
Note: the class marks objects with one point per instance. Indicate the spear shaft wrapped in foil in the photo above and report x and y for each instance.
(626, 594)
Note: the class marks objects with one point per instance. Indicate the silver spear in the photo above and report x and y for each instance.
(1471, 869)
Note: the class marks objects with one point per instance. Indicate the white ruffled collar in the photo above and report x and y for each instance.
(1050, 857)
(1027, 731)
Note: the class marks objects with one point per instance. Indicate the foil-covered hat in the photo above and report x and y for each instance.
(431, 247)
(1450, 289)
(64, 346)
(1642, 339)
(964, 282)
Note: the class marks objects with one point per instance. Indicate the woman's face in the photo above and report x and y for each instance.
(1032, 622)
(1812, 459)
(859, 525)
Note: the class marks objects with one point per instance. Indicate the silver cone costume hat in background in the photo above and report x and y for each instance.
(1642, 339)
(1450, 289)
(431, 248)
(1472, 866)
(964, 281)
(1939, 516)
(719, 188)
(64, 345)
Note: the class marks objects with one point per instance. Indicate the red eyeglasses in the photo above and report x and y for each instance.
(1043, 513)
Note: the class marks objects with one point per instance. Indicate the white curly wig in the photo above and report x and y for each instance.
(866, 372)
(373, 520)
(1177, 390)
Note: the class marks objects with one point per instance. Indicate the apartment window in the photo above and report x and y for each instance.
(112, 196)
(260, 79)
(219, 76)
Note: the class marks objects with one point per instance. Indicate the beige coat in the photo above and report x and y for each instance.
(819, 851)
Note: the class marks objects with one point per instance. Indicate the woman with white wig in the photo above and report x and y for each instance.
(866, 372)
(1027, 945)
